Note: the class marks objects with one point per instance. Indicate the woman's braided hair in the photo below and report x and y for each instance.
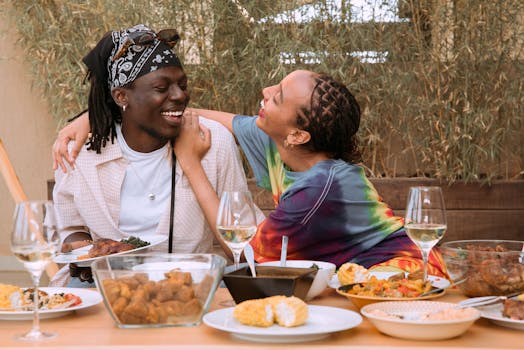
(332, 119)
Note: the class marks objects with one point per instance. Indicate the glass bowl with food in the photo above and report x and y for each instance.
(158, 290)
(487, 267)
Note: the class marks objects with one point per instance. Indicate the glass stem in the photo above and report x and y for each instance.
(425, 255)
(36, 302)
(236, 259)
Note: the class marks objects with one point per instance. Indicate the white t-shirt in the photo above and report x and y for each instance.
(146, 188)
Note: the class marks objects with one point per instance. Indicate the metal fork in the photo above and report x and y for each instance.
(438, 290)
(489, 300)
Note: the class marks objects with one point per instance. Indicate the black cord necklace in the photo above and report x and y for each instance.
(172, 208)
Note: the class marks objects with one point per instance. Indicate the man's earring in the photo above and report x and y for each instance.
(286, 144)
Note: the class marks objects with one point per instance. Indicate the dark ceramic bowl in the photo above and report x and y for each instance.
(270, 281)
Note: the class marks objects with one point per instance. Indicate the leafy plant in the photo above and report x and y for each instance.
(443, 98)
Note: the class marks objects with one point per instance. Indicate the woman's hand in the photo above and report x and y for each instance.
(193, 142)
(77, 130)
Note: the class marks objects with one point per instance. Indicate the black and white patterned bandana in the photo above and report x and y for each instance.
(137, 60)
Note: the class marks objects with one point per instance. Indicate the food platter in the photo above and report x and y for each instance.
(73, 256)
(362, 300)
(437, 282)
(322, 321)
(89, 298)
(494, 314)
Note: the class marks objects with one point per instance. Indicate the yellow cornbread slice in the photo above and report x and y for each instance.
(290, 312)
(285, 311)
(257, 312)
(8, 294)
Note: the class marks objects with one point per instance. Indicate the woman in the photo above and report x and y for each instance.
(127, 181)
(303, 148)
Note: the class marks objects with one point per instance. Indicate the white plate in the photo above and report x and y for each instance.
(494, 314)
(322, 321)
(89, 298)
(437, 282)
(72, 257)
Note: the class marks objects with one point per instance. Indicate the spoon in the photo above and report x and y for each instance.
(250, 258)
(283, 252)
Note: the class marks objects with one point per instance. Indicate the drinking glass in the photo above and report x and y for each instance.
(425, 219)
(34, 241)
(236, 221)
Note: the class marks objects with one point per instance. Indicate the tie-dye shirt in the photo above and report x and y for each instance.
(330, 212)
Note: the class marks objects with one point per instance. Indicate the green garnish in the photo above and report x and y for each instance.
(137, 242)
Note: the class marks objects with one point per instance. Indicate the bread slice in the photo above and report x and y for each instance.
(256, 312)
(290, 312)
(285, 311)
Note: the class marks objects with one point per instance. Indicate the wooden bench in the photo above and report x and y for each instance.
(474, 211)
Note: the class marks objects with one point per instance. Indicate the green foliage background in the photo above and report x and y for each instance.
(447, 102)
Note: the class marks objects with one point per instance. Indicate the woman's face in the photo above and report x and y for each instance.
(282, 102)
(154, 107)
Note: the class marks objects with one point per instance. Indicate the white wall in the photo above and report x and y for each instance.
(26, 128)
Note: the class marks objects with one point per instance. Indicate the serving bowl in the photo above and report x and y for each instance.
(322, 278)
(488, 267)
(406, 319)
(362, 300)
(270, 281)
(158, 290)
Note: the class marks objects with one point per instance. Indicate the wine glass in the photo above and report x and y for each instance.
(34, 241)
(425, 219)
(236, 221)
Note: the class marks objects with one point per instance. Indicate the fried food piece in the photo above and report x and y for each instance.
(119, 305)
(179, 277)
(285, 311)
(256, 312)
(192, 307)
(350, 273)
(185, 294)
(173, 307)
(167, 289)
(290, 312)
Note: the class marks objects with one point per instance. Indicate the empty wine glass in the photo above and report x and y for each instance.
(236, 221)
(425, 219)
(34, 241)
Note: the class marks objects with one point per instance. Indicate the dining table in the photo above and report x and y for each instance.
(93, 328)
